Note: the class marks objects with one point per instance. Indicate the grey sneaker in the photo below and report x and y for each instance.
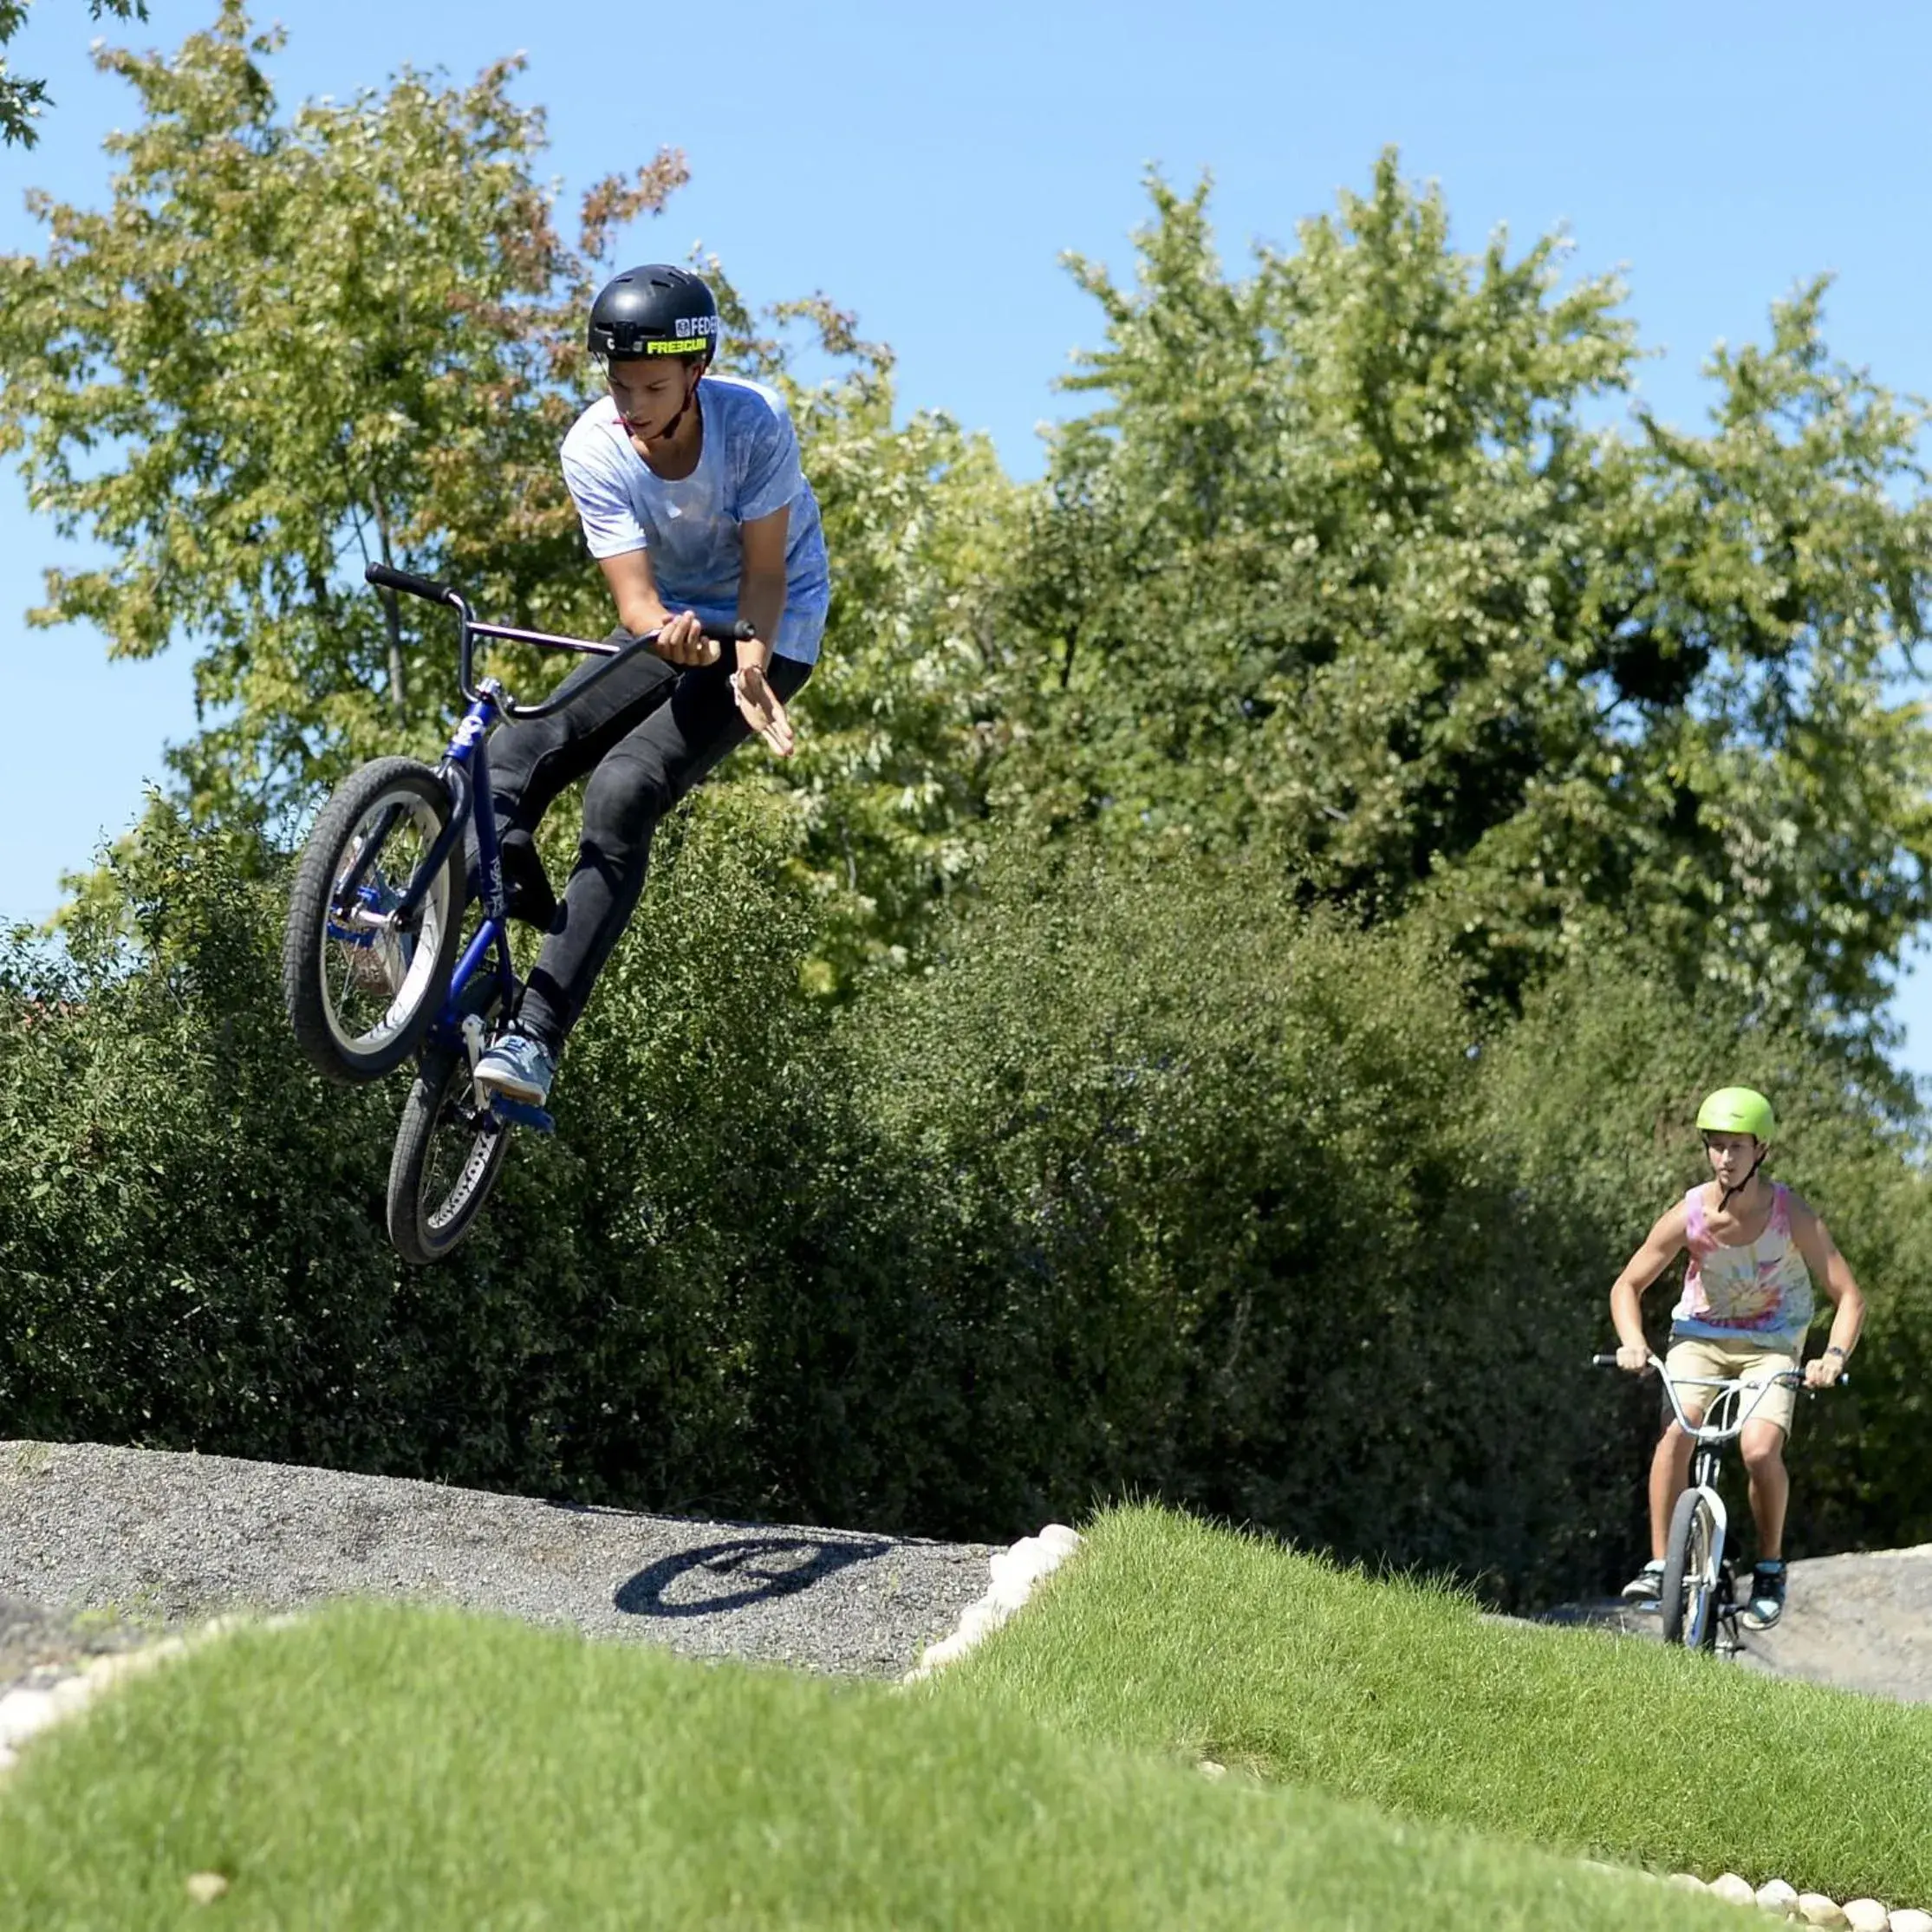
(1644, 1589)
(519, 1068)
(1767, 1596)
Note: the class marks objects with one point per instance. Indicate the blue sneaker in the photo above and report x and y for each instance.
(519, 1068)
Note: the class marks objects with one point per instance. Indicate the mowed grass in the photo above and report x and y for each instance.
(1165, 1634)
(384, 1766)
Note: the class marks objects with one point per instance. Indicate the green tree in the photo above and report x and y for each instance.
(289, 347)
(294, 343)
(905, 712)
(1349, 565)
(21, 99)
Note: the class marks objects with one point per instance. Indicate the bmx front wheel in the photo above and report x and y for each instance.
(360, 987)
(448, 1154)
(1688, 1598)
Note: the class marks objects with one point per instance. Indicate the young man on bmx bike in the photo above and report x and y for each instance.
(692, 501)
(1756, 1249)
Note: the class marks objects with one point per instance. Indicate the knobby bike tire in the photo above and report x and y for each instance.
(428, 1215)
(306, 990)
(1688, 1598)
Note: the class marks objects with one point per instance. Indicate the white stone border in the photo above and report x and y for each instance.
(25, 1711)
(1015, 1570)
(1775, 1895)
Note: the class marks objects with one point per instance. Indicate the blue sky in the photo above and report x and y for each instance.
(927, 165)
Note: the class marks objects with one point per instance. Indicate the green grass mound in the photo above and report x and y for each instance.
(1164, 1633)
(381, 1766)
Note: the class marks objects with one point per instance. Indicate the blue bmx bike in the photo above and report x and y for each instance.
(376, 971)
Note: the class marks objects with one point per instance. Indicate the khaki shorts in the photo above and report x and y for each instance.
(1715, 1359)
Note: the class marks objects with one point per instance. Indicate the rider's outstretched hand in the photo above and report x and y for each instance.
(763, 709)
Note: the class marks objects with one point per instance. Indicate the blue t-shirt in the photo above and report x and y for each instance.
(747, 468)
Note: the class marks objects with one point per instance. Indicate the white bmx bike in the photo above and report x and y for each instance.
(1699, 1600)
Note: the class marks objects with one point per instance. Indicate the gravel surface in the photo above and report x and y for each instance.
(1862, 1622)
(102, 1547)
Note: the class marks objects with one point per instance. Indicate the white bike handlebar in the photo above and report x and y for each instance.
(1720, 1424)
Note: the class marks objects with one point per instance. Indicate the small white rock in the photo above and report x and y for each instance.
(24, 1711)
(1775, 1896)
(1866, 1914)
(1815, 1908)
(206, 1887)
(71, 1694)
(1209, 1768)
(1014, 1571)
(1735, 1891)
(1908, 1918)
(1686, 1881)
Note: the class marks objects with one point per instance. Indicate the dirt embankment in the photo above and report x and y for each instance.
(99, 1546)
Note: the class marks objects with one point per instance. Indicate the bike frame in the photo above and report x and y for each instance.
(465, 768)
(1725, 1417)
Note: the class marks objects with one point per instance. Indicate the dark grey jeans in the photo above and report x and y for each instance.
(646, 735)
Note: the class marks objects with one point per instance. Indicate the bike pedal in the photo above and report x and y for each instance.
(520, 1113)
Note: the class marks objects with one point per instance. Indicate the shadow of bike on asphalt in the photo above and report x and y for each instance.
(736, 1575)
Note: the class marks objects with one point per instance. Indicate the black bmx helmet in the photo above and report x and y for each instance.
(653, 311)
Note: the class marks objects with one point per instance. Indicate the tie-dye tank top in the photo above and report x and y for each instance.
(1763, 1290)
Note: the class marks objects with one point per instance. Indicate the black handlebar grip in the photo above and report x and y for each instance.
(742, 632)
(1602, 1362)
(407, 580)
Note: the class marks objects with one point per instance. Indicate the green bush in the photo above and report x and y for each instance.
(1154, 1180)
(1591, 1102)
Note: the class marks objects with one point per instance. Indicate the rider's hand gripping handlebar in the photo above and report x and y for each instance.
(433, 591)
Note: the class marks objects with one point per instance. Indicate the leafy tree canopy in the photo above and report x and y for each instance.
(1355, 563)
(1350, 561)
(297, 342)
(23, 99)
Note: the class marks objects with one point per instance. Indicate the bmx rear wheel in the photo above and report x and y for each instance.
(360, 986)
(1688, 1598)
(448, 1154)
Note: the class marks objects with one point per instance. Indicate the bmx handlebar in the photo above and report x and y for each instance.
(392, 579)
(433, 591)
(1711, 1429)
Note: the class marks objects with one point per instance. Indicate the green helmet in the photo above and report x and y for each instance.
(1738, 1110)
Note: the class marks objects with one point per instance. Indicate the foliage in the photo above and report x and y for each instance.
(289, 345)
(1348, 567)
(296, 343)
(1411, 793)
(22, 100)
(1152, 1180)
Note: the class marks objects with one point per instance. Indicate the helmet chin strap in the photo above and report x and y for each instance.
(1729, 1193)
(670, 428)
